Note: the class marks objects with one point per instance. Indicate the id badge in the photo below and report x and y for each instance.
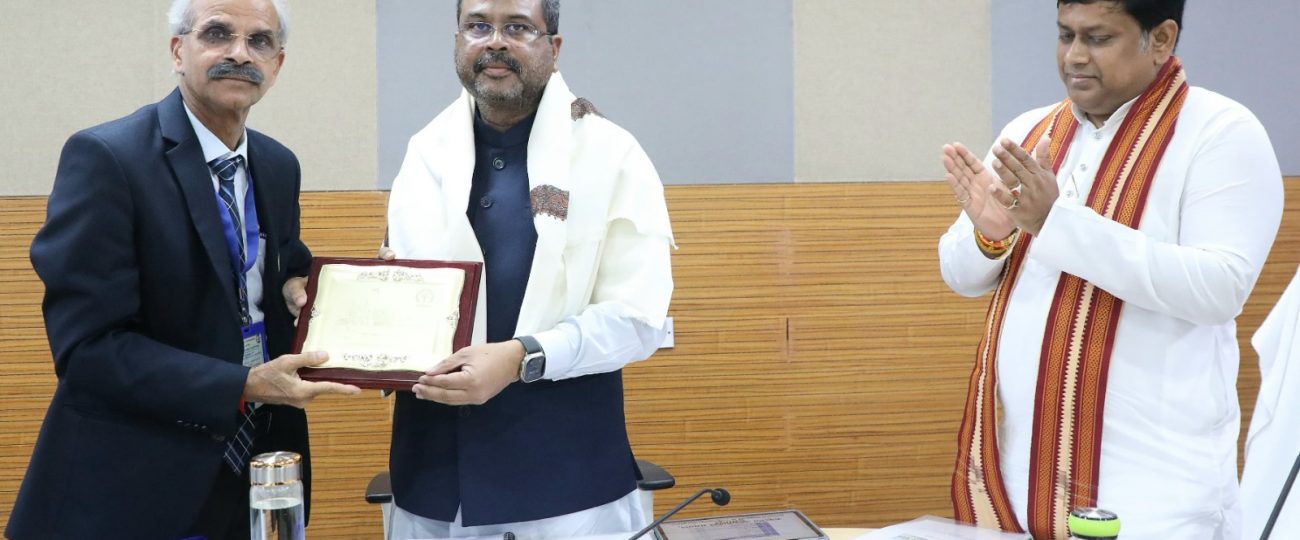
(254, 344)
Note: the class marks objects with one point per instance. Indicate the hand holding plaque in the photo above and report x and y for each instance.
(384, 323)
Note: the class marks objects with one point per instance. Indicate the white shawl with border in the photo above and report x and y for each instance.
(601, 185)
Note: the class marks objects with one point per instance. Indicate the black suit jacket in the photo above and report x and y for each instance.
(142, 317)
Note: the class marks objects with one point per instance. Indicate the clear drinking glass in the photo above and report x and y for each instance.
(275, 498)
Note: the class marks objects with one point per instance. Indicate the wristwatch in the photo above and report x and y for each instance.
(533, 366)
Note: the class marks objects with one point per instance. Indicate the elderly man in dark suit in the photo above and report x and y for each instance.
(171, 236)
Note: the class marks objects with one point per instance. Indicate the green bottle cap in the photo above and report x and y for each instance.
(1094, 523)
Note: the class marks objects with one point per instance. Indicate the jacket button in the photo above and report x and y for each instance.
(485, 202)
(498, 164)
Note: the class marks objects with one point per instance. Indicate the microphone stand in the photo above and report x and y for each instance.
(1281, 499)
(719, 496)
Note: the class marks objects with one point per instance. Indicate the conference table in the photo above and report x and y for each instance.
(831, 533)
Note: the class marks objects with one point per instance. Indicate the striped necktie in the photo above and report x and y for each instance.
(240, 447)
(225, 169)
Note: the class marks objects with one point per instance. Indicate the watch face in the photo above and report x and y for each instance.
(533, 369)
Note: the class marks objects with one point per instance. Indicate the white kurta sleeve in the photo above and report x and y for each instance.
(624, 319)
(609, 334)
(1229, 214)
(965, 269)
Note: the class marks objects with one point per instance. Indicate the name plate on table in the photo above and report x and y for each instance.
(384, 323)
(779, 525)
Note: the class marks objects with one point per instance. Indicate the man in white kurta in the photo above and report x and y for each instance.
(567, 214)
(1171, 417)
(1274, 438)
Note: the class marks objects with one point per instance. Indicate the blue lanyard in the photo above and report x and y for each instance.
(252, 234)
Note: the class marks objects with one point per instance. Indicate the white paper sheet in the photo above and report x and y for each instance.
(935, 528)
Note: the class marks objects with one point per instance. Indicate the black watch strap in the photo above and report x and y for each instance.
(531, 345)
(533, 366)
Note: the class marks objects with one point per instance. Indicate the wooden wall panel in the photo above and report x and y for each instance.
(26, 372)
(820, 362)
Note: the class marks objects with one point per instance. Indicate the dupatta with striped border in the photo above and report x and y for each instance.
(1065, 454)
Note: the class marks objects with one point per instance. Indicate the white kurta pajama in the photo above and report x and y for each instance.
(1168, 455)
(600, 282)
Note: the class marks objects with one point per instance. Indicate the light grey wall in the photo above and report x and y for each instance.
(710, 87)
(72, 64)
(881, 85)
(1242, 49)
(413, 44)
(57, 81)
(706, 87)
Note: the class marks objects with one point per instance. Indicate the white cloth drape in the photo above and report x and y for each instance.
(1274, 438)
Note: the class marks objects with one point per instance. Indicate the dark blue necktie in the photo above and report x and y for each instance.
(239, 448)
(225, 170)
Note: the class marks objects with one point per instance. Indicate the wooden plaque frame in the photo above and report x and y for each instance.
(387, 380)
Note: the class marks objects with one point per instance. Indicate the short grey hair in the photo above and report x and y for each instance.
(180, 18)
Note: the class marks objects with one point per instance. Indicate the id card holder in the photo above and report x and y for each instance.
(254, 347)
(254, 344)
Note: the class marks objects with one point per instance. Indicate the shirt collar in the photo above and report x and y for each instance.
(212, 146)
(1115, 119)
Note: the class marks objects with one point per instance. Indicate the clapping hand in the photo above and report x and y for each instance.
(971, 184)
(1032, 185)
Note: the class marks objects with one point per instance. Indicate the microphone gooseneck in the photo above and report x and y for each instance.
(719, 496)
(1281, 500)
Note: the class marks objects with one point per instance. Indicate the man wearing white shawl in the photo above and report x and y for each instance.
(1274, 437)
(567, 214)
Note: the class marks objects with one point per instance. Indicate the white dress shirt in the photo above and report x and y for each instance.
(1171, 418)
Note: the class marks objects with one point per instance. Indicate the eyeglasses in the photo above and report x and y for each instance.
(261, 46)
(515, 32)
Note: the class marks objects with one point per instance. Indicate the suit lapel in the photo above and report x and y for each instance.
(185, 157)
(261, 176)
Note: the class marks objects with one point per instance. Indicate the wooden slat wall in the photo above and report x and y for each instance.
(820, 362)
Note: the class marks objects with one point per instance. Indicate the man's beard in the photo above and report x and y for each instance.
(527, 91)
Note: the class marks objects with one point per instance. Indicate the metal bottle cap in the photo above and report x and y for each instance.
(274, 468)
(1094, 523)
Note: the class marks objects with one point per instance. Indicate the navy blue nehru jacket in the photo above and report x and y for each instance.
(535, 450)
(502, 218)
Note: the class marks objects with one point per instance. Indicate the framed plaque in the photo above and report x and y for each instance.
(384, 323)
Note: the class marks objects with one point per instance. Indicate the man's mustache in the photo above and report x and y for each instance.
(497, 58)
(230, 70)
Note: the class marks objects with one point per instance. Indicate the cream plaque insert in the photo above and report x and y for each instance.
(384, 318)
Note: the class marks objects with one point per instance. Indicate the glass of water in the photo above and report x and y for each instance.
(275, 498)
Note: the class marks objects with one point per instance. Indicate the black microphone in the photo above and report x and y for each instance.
(720, 497)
